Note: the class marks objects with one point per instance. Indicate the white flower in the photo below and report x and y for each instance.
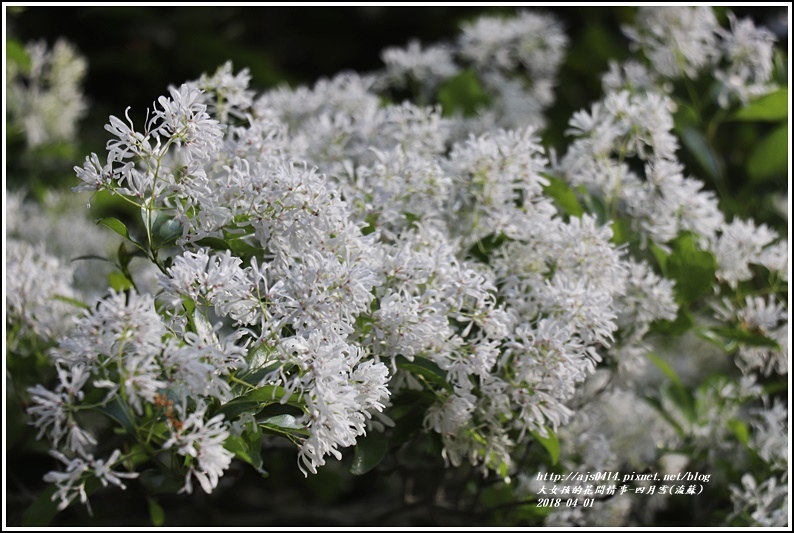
(429, 66)
(34, 281)
(648, 297)
(339, 391)
(47, 102)
(531, 39)
(185, 121)
(748, 51)
(231, 96)
(678, 40)
(741, 243)
(766, 504)
(202, 441)
(103, 471)
(71, 482)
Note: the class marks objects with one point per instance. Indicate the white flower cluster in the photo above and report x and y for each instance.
(686, 41)
(45, 99)
(516, 60)
(322, 278)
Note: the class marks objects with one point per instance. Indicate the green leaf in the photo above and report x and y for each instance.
(244, 249)
(683, 398)
(741, 335)
(156, 482)
(247, 447)
(621, 232)
(551, 443)
(718, 341)
(119, 227)
(739, 428)
(699, 147)
(693, 270)
(770, 156)
(484, 247)
(71, 301)
(202, 325)
(563, 195)
(156, 512)
(656, 403)
(16, 52)
(165, 230)
(425, 368)
(683, 322)
(370, 451)
(119, 411)
(271, 394)
(773, 106)
(119, 282)
(256, 375)
(256, 399)
(666, 369)
(462, 93)
(285, 421)
(594, 205)
(213, 243)
(41, 512)
(660, 256)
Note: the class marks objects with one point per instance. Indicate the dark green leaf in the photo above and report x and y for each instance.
(425, 368)
(247, 447)
(699, 147)
(742, 335)
(693, 270)
(370, 451)
(657, 405)
(661, 257)
(717, 340)
(244, 249)
(683, 399)
(484, 247)
(165, 230)
(256, 399)
(551, 443)
(213, 243)
(665, 367)
(156, 512)
(563, 195)
(255, 376)
(682, 323)
(91, 256)
(770, 156)
(118, 411)
(594, 205)
(156, 482)
(16, 52)
(773, 106)
(41, 512)
(119, 227)
(462, 93)
(71, 301)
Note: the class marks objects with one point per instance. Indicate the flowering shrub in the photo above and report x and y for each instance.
(336, 267)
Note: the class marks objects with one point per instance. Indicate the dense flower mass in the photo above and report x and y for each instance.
(319, 256)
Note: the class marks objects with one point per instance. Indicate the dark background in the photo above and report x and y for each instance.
(135, 53)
